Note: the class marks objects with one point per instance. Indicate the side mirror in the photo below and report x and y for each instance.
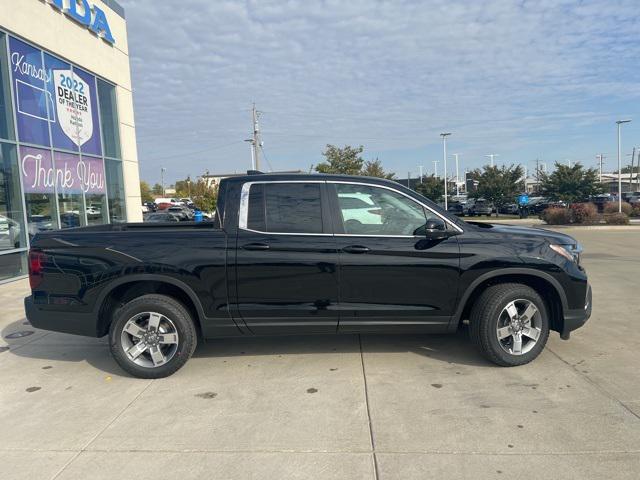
(435, 225)
(434, 229)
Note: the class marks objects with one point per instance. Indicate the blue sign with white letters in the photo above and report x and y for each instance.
(90, 16)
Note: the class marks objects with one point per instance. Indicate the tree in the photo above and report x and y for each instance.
(145, 192)
(570, 184)
(157, 190)
(204, 195)
(348, 161)
(183, 188)
(374, 168)
(498, 185)
(431, 187)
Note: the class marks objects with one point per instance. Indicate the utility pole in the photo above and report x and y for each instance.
(435, 168)
(444, 158)
(600, 158)
(618, 123)
(255, 140)
(633, 154)
(408, 179)
(420, 168)
(162, 170)
(491, 156)
(457, 174)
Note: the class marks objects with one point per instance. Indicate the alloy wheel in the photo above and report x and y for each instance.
(519, 327)
(149, 339)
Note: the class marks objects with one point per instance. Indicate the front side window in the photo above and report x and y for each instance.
(368, 210)
(285, 208)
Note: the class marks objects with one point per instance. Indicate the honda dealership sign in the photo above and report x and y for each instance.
(87, 15)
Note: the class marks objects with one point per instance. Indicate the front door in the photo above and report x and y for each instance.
(286, 259)
(392, 278)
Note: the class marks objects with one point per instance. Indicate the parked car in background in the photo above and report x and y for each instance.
(145, 209)
(455, 208)
(183, 212)
(509, 209)
(151, 206)
(478, 206)
(161, 217)
(171, 201)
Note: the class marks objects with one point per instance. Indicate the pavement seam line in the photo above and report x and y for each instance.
(92, 439)
(366, 403)
(599, 387)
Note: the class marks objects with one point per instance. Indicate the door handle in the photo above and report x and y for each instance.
(255, 246)
(356, 249)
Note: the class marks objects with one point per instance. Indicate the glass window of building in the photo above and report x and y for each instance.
(115, 190)
(70, 201)
(109, 119)
(12, 233)
(38, 180)
(13, 265)
(94, 185)
(6, 112)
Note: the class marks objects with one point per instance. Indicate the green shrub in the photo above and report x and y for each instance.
(635, 212)
(556, 216)
(612, 207)
(585, 213)
(617, 219)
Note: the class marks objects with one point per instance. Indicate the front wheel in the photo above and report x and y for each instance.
(152, 336)
(509, 324)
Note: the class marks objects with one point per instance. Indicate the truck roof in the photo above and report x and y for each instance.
(279, 177)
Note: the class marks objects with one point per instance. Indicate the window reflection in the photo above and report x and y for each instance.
(11, 218)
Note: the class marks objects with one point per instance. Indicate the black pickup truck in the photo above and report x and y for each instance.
(307, 254)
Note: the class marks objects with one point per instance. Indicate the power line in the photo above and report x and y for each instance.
(194, 152)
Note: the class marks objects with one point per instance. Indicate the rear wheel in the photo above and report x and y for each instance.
(152, 336)
(509, 324)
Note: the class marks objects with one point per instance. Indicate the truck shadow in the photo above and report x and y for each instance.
(452, 349)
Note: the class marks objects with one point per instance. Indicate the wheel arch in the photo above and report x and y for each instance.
(548, 287)
(124, 289)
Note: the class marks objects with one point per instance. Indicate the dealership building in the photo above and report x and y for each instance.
(67, 134)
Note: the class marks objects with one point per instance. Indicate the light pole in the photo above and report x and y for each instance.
(162, 170)
(420, 168)
(444, 158)
(492, 156)
(456, 155)
(620, 122)
(435, 168)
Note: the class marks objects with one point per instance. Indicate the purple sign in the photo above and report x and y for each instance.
(68, 173)
(53, 92)
(29, 79)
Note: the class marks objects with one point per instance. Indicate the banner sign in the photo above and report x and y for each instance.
(66, 172)
(52, 93)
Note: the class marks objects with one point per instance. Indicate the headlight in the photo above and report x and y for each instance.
(570, 252)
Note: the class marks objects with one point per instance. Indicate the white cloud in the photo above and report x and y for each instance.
(519, 77)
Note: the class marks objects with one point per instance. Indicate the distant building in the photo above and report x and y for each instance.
(610, 182)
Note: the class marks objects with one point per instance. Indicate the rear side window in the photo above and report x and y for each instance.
(285, 208)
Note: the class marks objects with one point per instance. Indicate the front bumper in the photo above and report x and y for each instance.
(574, 319)
(77, 323)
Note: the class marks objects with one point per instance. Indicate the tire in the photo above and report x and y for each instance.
(491, 318)
(153, 352)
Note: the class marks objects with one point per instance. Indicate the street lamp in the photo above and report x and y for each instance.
(492, 156)
(444, 157)
(456, 155)
(620, 122)
(162, 170)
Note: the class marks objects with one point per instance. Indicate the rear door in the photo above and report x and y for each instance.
(286, 259)
(391, 277)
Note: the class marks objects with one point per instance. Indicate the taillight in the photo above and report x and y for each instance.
(36, 263)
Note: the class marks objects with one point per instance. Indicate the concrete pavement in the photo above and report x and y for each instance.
(386, 407)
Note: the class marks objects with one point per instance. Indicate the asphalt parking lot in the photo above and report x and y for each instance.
(393, 407)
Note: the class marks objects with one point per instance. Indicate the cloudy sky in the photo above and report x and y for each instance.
(522, 79)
